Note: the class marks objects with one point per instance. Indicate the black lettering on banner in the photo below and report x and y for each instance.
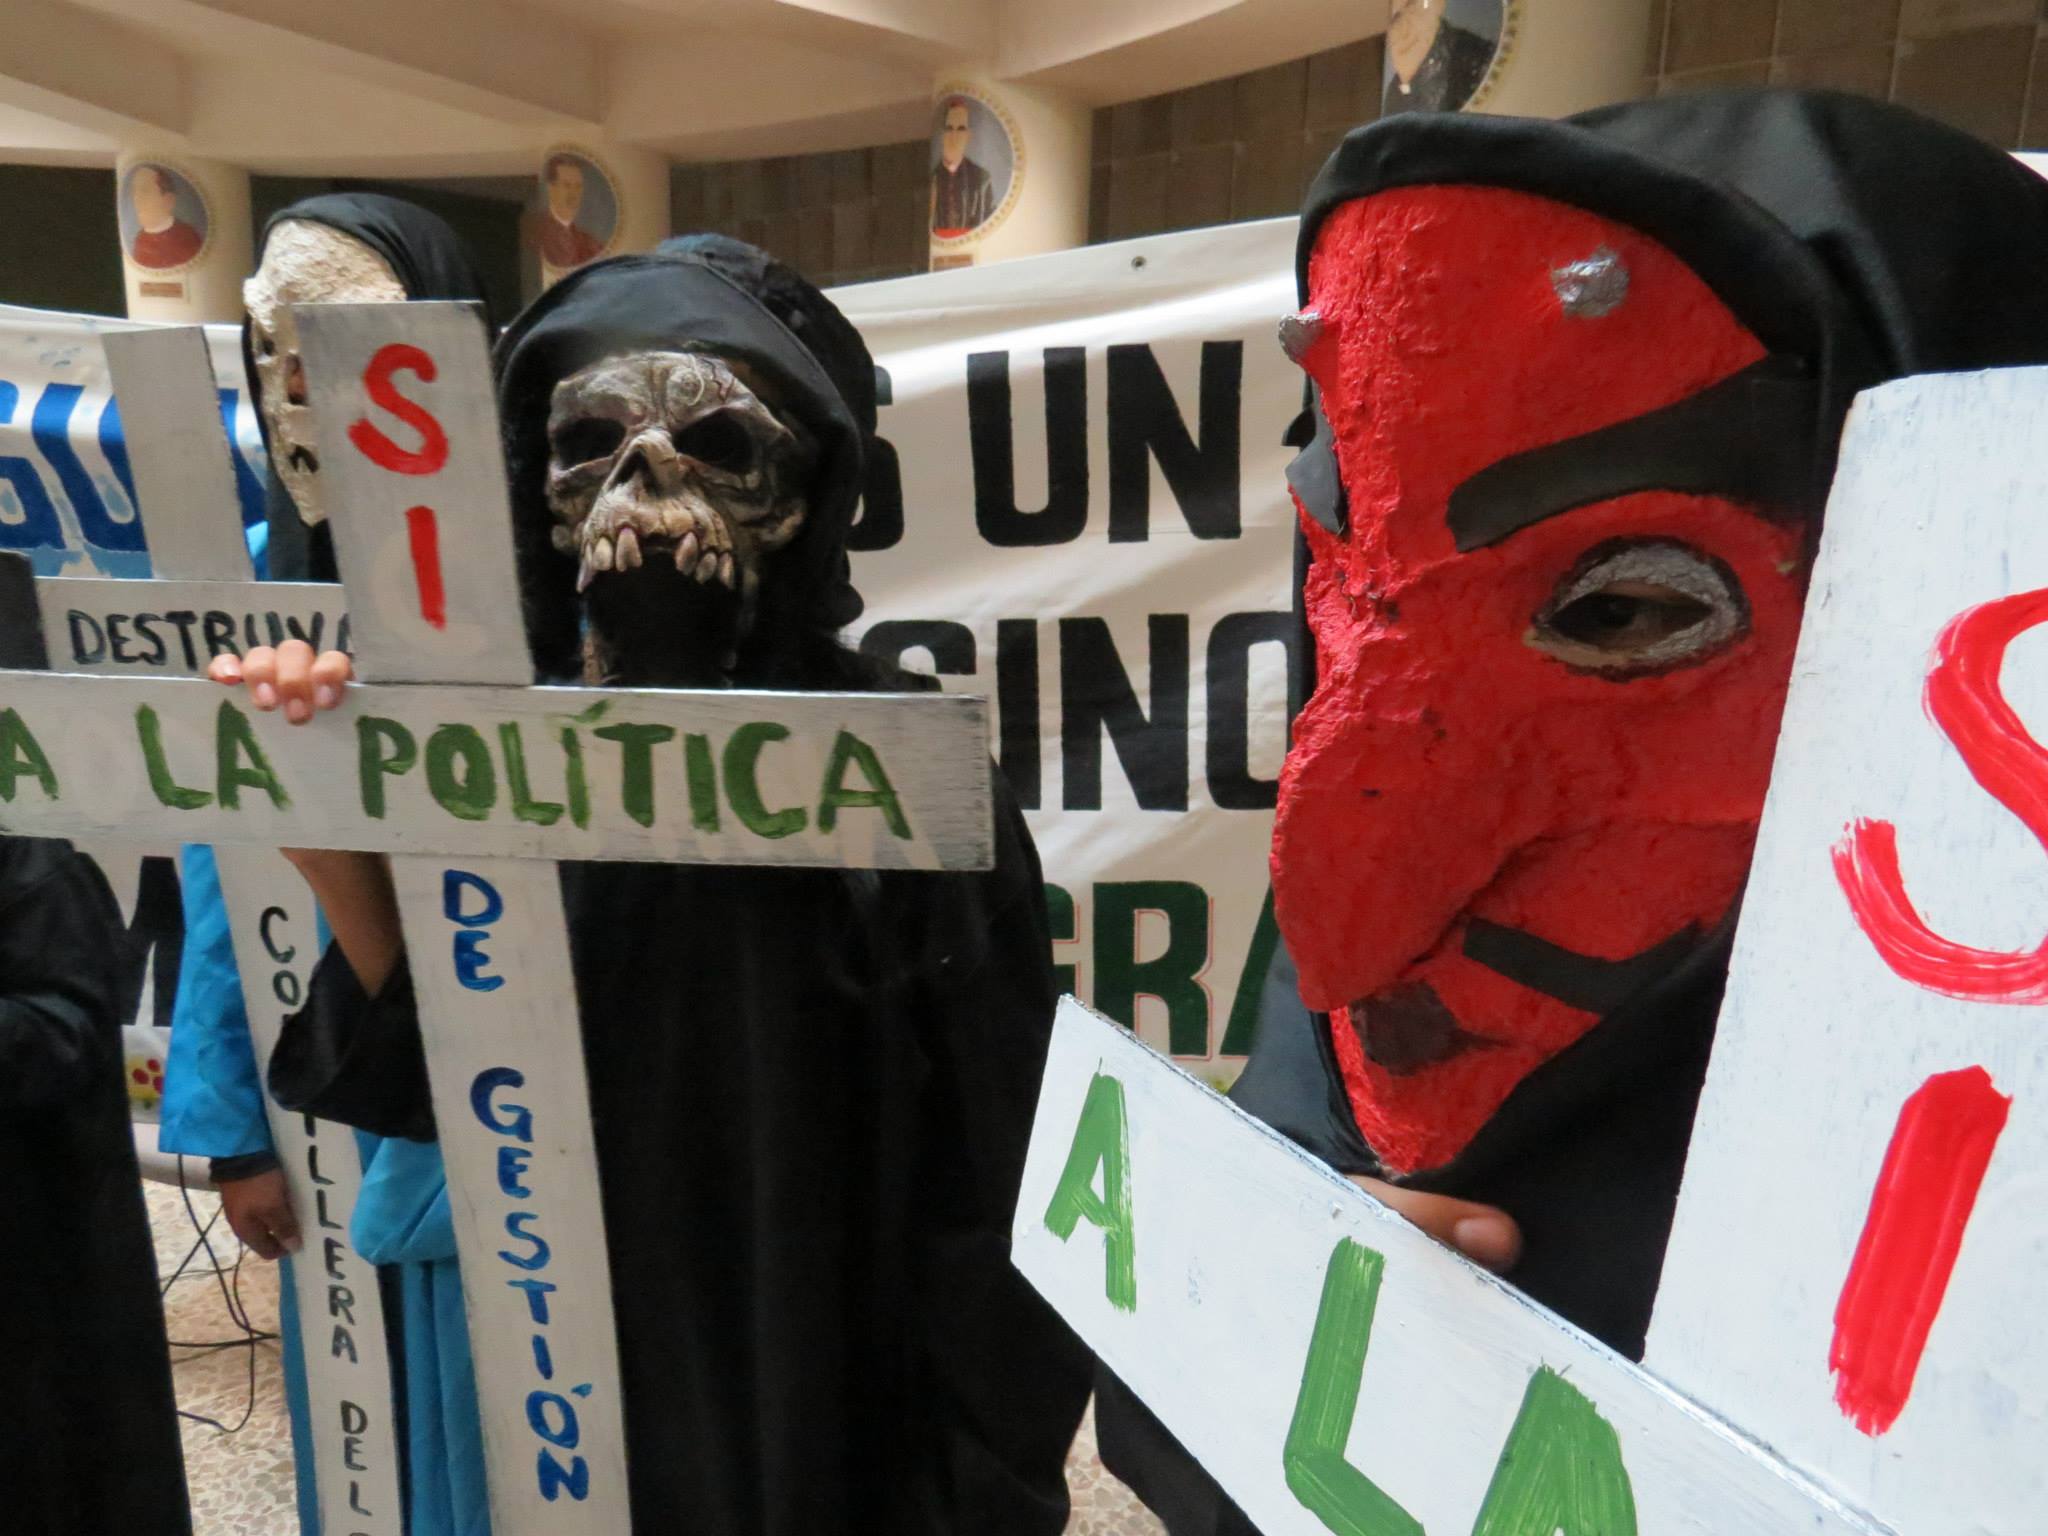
(1096, 695)
(310, 632)
(880, 522)
(219, 630)
(1228, 745)
(154, 943)
(950, 645)
(1145, 423)
(1017, 740)
(992, 441)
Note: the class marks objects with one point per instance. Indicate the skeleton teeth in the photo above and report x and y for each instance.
(725, 570)
(629, 550)
(707, 567)
(686, 553)
(601, 554)
(583, 573)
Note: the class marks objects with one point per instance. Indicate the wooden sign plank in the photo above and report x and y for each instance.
(1332, 1367)
(409, 446)
(487, 940)
(185, 481)
(1860, 1259)
(161, 628)
(845, 780)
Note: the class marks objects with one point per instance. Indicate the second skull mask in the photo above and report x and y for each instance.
(672, 456)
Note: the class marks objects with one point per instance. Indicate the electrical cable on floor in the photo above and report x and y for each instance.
(229, 1279)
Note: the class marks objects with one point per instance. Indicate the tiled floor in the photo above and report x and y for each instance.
(241, 1483)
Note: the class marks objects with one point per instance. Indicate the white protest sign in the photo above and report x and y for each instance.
(170, 628)
(181, 465)
(1332, 1367)
(1859, 1268)
(548, 773)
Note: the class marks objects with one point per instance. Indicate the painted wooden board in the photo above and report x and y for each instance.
(174, 628)
(1236, 1283)
(341, 1314)
(855, 780)
(402, 401)
(1855, 1120)
(487, 942)
(184, 478)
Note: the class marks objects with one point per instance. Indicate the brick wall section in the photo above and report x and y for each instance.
(847, 217)
(1246, 148)
(1243, 148)
(1979, 64)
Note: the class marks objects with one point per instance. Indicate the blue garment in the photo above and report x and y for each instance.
(402, 1218)
(213, 1106)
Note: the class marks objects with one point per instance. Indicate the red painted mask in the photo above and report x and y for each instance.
(1533, 767)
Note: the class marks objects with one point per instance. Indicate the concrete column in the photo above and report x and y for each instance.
(185, 236)
(1021, 186)
(597, 200)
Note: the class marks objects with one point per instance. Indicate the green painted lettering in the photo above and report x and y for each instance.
(239, 761)
(1329, 1487)
(167, 789)
(636, 765)
(1560, 1470)
(1173, 975)
(542, 813)
(459, 772)
(1062, 919)
(21, 753)
(702, 774)
(849, 751)
(1102, 1139)
(742, 755)
(577, 777)
(1243, 1027)
(382, 747)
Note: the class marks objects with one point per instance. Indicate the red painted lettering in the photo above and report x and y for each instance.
(1923, 1199)
(377, 382)
(1965, 701)
(425, 537)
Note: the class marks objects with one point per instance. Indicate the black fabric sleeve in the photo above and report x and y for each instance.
(59, 1021)
(1011, 1377)
(246, 1165)
(353, 1058)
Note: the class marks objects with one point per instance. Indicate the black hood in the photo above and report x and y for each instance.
(1859, 239)
(431, 262)
(752, 312)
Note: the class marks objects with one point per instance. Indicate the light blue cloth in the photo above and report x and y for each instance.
(213, 1106)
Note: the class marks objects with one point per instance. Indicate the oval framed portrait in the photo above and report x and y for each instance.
(977, 167)
(1445, 55)
(581, 211)
(166, 225)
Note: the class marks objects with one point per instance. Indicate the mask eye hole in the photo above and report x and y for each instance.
(717, 441)
(1638, 606)
(587, 439)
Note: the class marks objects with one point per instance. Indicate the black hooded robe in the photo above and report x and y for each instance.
(89, 1431)
(812, 1090)
(1861, 238)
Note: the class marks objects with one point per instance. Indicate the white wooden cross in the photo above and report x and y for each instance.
(448, 759)
(1849, 1336)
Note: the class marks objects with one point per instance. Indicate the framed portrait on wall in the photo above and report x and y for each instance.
(1445, 55)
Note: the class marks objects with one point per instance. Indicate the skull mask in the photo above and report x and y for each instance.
(672, 456)
(303, 263)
